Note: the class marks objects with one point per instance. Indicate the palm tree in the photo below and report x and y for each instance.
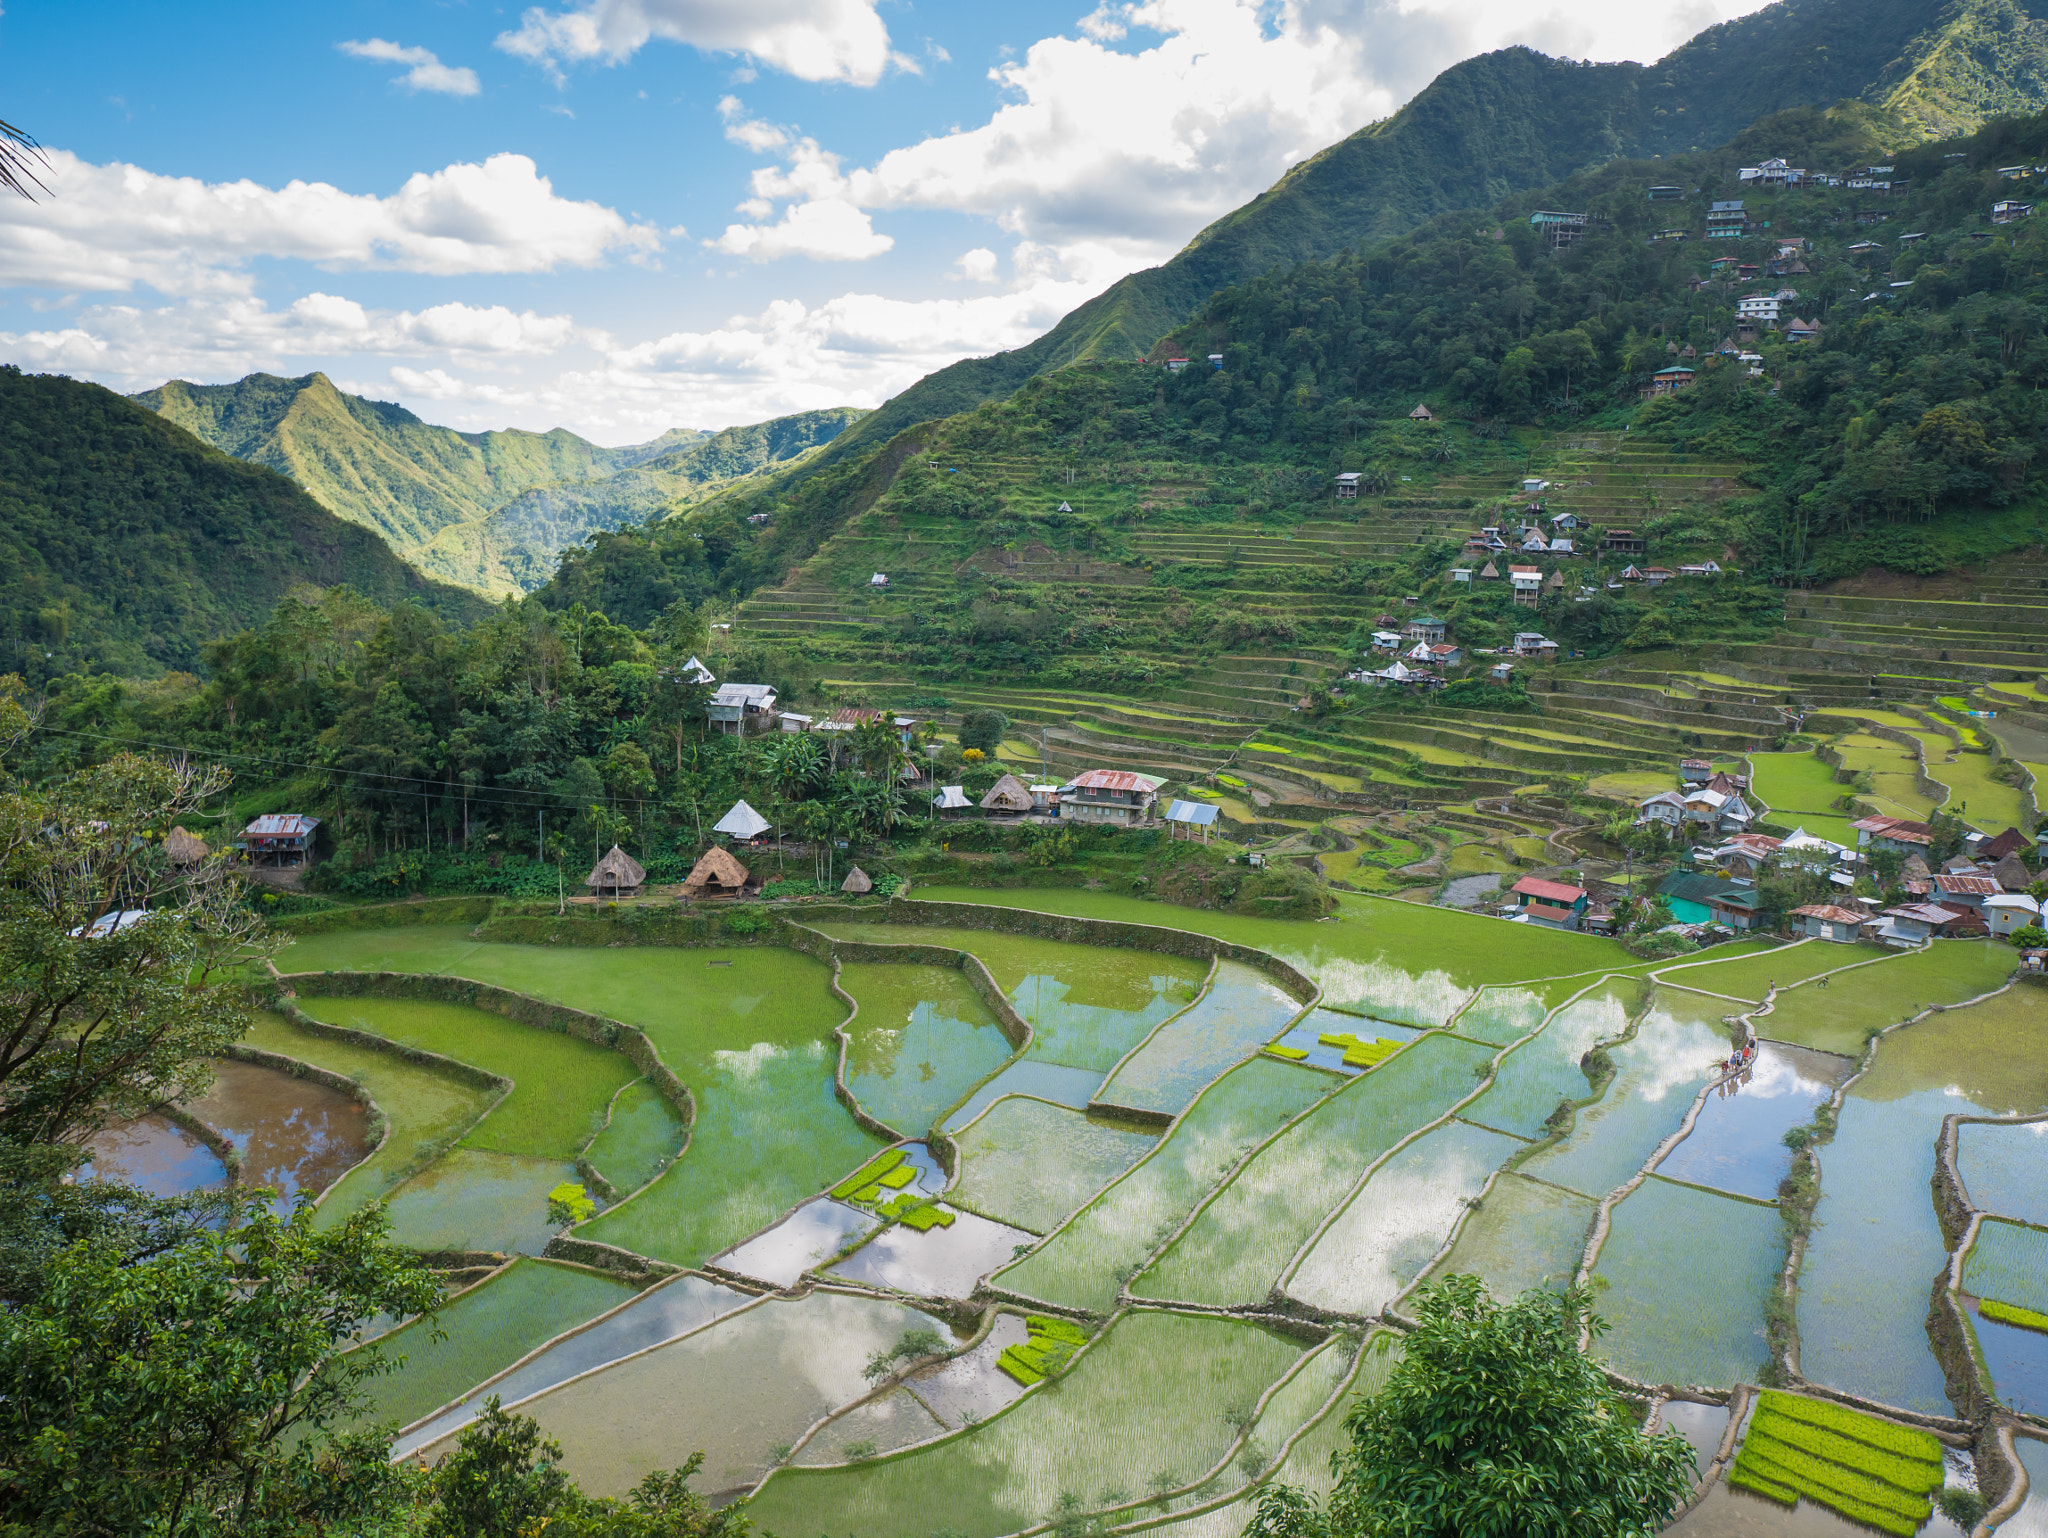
(18, 152)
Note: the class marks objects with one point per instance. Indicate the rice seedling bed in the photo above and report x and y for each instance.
(2001, 1168)
(661, 1313)
(1684, 1275)
(1844, 1015)
(1304, 1041)
(1082, 1265)
(1522, 1234)
(1031, 1164)
(1170, 1383)
(1399, 1219)
(1242, 1008)
(561, 1086)
(1877, 1245)
(921, 1039)
(1535, 1078)
(2009, 1263)
(1677, 1047)
(1237, 1247)
(1870, 1471)
(1088, 1005)
(1048, 1345)
(425, 1108)
(752, 1382)
(1400, 961)
(643, 1136)
(488, 1328)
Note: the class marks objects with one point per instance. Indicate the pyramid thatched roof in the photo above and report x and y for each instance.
(185, 848)
(718, 869)
(856, 881)
(1009, 794)
(617, 870)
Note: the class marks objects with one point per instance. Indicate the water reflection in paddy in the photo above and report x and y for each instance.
(1738, 1142)
(939, 1262)
(1523, 1234)
(1876, 1246)
(662, 1313)
(154, 1155)
(1702, 1426)
(2031, 1520)
(294, 1135)
(868, 1430)
(1307, 1033)
(1073, 1087)
(1029, 1163)
(1242, 1010)
(2016, 1358)
(473, 1200)
(815, 1232)
(921, 1037)
(970, 1387)
(1543, 1072)
(2005, 1169)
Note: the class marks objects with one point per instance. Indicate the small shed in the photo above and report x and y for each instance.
(952, 798)
(879, 579)
(185, 848)
(857, 882)
(280, 838)
(718, 874)
(618, 874)
(1009, 794)
(742, 822)
(1421, 414)
(1184, 817)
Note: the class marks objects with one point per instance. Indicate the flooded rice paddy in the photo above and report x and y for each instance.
(295, 1136)
(156, 1155)
(1244, 1181)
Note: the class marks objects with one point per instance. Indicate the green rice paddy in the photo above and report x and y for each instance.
(1030, 1163)
(1524, 1233)
(1084, 1262)
(1168, 1382)
(427, 1108)
(1682, 1278)
(1877, 1246)
(1842, 1016)
(921, 1040)
(1750, 977)
(644, 1134)
(561, 1086)
(1800, 792)
(1237, 1248)
(1543, 1072)
(2009, 1262)
(487, 1329)
(1241, 1009)
(2001, 1168)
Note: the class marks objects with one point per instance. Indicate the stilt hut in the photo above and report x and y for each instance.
(185, 848)
(857, 882)
(618, 874)
(1009, 794)
(718, 874)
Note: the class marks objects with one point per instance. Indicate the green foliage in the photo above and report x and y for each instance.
(1493, 1422)
(199, 1392)
(126, 541)
(914, 1345)
(983, 729)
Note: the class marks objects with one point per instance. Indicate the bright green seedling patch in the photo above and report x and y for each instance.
(1358, 1052)
(569, 1203)
(1869, 1470)
(917, 1212)
(854, 1186)
(1051, 1345)
(1291, 1054)
(2012, 1313)
(899, 1177)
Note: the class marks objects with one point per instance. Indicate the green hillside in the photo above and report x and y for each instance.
(126, 541)
(1515, 120)
(490, 510)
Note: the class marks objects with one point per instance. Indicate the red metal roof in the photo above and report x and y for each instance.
(1548, 891)
(1829, 912)
(1114, 779)
(1969, 886)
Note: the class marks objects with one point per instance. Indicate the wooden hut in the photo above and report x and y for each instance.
(857, 882)
(1009, 794)
(718, 874)
(618, 874)
(185, 848)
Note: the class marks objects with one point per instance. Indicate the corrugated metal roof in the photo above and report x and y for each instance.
(1113, 779)
(281, 825)
(1550, 891)
(1199, 813)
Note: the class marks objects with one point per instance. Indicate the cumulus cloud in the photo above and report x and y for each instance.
(115, 226)
(976, 266)
(810, 39)
(425, 72)
(819, 220)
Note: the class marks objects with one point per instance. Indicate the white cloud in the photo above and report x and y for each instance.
(115, 226)
(426, 72)
(976, 266)
(819, 220)
(1602, 29)
(810, 39)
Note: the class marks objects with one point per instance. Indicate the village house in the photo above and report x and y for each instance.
(1666, 806)
(1726, 220)
(1762, 308)
(1897, 833)
(279, 839)
(1772, 173)
(1530, 643)
(1746, 855)
(1461, 574)
(1565, 523)
(1826, 921)
(1552, 904)
(2010, 911)
(1388, 641)
(1421, 414)
(1694, 771)
(951, 799)
(1735, 908)
(879, 580)
(1965, 891)
(1801, 331)
(2009, 211)
(1914, 922)
(718, 874)
(1623, 542)
(1446, 654)
(1009, 796)
(1500, 672)
(1561, 549)
(1665, 381)
(737, 709)
(1656, 576)
(1489, 572)
(1347, 485)
(1700, 569)
(1532, 542)
(617, 875)
(1528, 584)
(1427, 628)
(1110, 795)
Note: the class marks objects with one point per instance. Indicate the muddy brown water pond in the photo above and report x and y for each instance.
(294, 1135)
(154, 1155)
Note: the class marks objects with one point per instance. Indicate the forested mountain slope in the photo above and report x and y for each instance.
(1516, 120)
(125, 540)
(490, 510)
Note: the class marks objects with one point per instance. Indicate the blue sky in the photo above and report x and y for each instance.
(625, 215)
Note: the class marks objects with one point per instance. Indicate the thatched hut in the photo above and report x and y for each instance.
(718, 874)
(857, 882)
(618, 874)
(1009, 794)
(185, 848)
